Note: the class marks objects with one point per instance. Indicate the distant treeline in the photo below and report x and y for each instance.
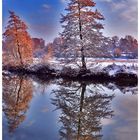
(116, 47)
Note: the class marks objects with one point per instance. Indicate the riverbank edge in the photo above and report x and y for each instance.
(71, 74)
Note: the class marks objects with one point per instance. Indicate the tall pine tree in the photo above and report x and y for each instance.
(19, 43)
(81, 29)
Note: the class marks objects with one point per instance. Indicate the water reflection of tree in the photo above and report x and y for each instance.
(17, 93)
(124, 88)
(82, 110)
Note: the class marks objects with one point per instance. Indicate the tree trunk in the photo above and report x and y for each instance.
(18, 47)
(81, 108)
(21, 62)
(84, 68)
(19, 90)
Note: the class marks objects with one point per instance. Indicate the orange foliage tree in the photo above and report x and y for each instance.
(117, 52)
(49, 54)
(19, 42)
(16, 98)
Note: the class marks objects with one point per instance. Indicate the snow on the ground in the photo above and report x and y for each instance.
(110, 66)
(117, 68)
(6, 72)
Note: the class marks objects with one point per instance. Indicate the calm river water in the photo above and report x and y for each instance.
(35, 109)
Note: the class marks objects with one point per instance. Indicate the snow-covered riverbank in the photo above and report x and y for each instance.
(95, 65)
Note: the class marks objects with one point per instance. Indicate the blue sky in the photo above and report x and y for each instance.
(43, 16)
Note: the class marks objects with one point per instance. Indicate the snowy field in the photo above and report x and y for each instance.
(110, 66)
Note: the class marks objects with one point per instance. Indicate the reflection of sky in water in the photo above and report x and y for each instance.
(123, 126)
(42, 121)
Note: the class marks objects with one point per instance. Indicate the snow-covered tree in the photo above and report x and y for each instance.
(126, 46)
(81, 29)
(110, 47)
(18, 40)
(58, 45)
(82, 109)
(129, 45)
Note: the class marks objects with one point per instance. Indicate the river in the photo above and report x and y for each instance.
(57, 109)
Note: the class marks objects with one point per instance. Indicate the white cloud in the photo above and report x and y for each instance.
(130, 14)
(105, 121)
(127, 9)
(63, 1)
(119, 5)
(46, 6)
(106, 0)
